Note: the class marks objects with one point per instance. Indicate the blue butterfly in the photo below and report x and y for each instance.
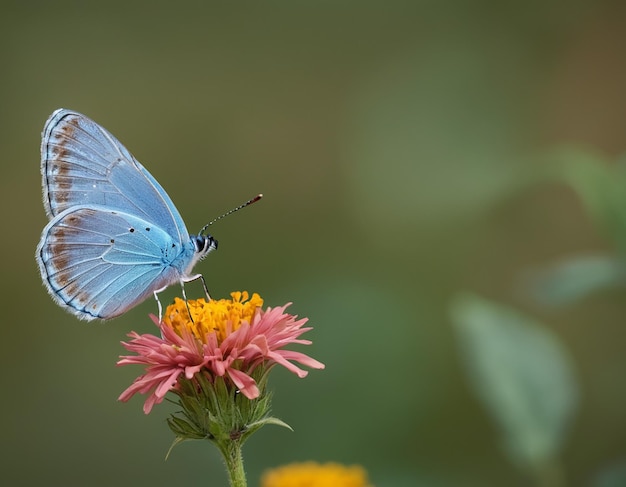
(114, 237)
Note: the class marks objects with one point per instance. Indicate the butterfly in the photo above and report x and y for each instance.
(114, 237)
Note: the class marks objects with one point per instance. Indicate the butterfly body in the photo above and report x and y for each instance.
(114, 237)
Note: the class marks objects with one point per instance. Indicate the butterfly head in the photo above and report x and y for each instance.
(203, 244)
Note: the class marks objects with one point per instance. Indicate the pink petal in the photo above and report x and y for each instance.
(245, 383)
(168, 384)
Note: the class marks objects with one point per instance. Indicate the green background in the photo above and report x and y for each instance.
(401, 150)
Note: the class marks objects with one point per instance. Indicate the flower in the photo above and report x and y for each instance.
(312, 474)
(227, 338)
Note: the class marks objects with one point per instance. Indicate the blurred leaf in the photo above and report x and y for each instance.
(575, 278)
(614, 476)
(601, 186)
(522, 374)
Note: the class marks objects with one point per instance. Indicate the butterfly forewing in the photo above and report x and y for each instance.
(83, 164)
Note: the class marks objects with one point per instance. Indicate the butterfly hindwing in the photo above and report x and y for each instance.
(102, 262)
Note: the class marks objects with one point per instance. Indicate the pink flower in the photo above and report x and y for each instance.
(226, 338)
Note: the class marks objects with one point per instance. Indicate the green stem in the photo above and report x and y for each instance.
(233, 458)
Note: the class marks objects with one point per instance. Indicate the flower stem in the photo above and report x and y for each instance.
(233, 458)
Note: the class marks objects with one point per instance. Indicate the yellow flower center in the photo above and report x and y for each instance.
(221, 316)
(311, 474)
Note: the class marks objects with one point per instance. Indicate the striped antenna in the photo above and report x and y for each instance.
(247, 203)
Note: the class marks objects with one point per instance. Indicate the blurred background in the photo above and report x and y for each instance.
(409, 153)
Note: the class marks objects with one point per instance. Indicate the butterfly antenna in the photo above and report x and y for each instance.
(247, 203)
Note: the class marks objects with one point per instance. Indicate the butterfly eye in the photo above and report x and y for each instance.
(203, 244)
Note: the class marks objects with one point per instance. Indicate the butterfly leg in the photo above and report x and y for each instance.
(206, 291)
(182, 287)
(159, 303)
(189, 279)
(193, 278)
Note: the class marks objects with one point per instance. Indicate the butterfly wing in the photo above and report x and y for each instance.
(100, 263)
(82, 164)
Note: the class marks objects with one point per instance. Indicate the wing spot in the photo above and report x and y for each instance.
(147, 229)
(62, 278)
(72, 290)
(63, 185)
(131, 229)
(59, 152)
(112, 240)
(67, 129)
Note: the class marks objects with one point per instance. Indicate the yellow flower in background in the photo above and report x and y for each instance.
(312, 474)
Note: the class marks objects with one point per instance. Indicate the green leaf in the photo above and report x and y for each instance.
(270, 420)
(522, 374)
(212, 408)
(613, 476)
(576, 278)
(177, 441)
(600, 185)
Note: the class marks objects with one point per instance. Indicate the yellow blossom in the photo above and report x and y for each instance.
(222, 316)
(312, 474)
